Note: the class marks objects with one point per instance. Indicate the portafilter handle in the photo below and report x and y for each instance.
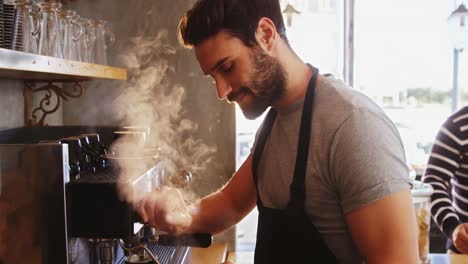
(147, 235)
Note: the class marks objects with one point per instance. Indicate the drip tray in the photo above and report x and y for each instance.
(168, 254)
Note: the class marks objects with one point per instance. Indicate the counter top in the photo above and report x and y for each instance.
(448, 259)
(217, 253)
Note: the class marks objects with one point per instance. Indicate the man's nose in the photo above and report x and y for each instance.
(223, 88)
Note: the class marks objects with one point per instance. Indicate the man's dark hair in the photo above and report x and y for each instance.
(237, 17)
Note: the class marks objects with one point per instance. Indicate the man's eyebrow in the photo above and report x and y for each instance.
(219, 63)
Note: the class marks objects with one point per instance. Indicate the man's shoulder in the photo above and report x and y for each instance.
(336, 101)
(337, 92)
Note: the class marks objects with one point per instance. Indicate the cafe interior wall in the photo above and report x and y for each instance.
(215, 119)
(12, 105)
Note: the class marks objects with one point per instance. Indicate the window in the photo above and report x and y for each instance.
(403, 60)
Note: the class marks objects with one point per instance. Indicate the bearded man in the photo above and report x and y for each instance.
(327, 171)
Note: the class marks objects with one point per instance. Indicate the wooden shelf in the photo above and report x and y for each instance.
(27, 66)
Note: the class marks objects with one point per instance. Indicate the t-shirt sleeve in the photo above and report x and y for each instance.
(367, 159)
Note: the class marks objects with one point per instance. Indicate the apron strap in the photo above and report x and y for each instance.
(262, 138)
(297, 188)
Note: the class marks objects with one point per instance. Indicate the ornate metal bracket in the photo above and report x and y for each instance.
(45, 106)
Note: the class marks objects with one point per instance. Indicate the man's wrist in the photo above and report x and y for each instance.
(190, 217)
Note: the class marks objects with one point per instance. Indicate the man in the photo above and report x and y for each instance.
(327, 171)
(447, 173)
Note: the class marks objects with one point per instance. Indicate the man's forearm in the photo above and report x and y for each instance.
(213, 214)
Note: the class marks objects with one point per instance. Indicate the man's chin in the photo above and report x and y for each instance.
(252, 114)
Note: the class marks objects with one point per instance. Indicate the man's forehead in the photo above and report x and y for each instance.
(214, 49)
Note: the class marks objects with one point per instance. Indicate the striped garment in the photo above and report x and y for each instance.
(447, 172)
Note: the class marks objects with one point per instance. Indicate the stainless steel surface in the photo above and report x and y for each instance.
(2, 40)
(33, 207)
(144, 246)
(8, 15)
(17, 34)
(106, 253)
(32, 204)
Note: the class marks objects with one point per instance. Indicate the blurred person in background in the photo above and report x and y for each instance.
(447, 173)
(327, 171)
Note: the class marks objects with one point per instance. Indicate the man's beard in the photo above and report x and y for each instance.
(266, 84)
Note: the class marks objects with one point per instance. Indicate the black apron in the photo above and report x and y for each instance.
(287, 236)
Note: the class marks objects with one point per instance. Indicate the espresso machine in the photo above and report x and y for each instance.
(59, 206)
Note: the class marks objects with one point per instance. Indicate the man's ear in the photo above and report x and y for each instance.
(266, 34)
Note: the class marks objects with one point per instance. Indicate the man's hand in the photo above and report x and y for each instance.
(165, 210)
(460, 238)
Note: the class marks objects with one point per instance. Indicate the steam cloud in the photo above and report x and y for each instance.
(149, 99)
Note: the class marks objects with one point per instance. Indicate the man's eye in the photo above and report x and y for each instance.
(227, 67)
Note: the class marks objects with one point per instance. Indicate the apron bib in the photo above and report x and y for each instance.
(287, 235)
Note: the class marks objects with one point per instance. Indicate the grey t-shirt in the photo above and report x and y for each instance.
(355, 158)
